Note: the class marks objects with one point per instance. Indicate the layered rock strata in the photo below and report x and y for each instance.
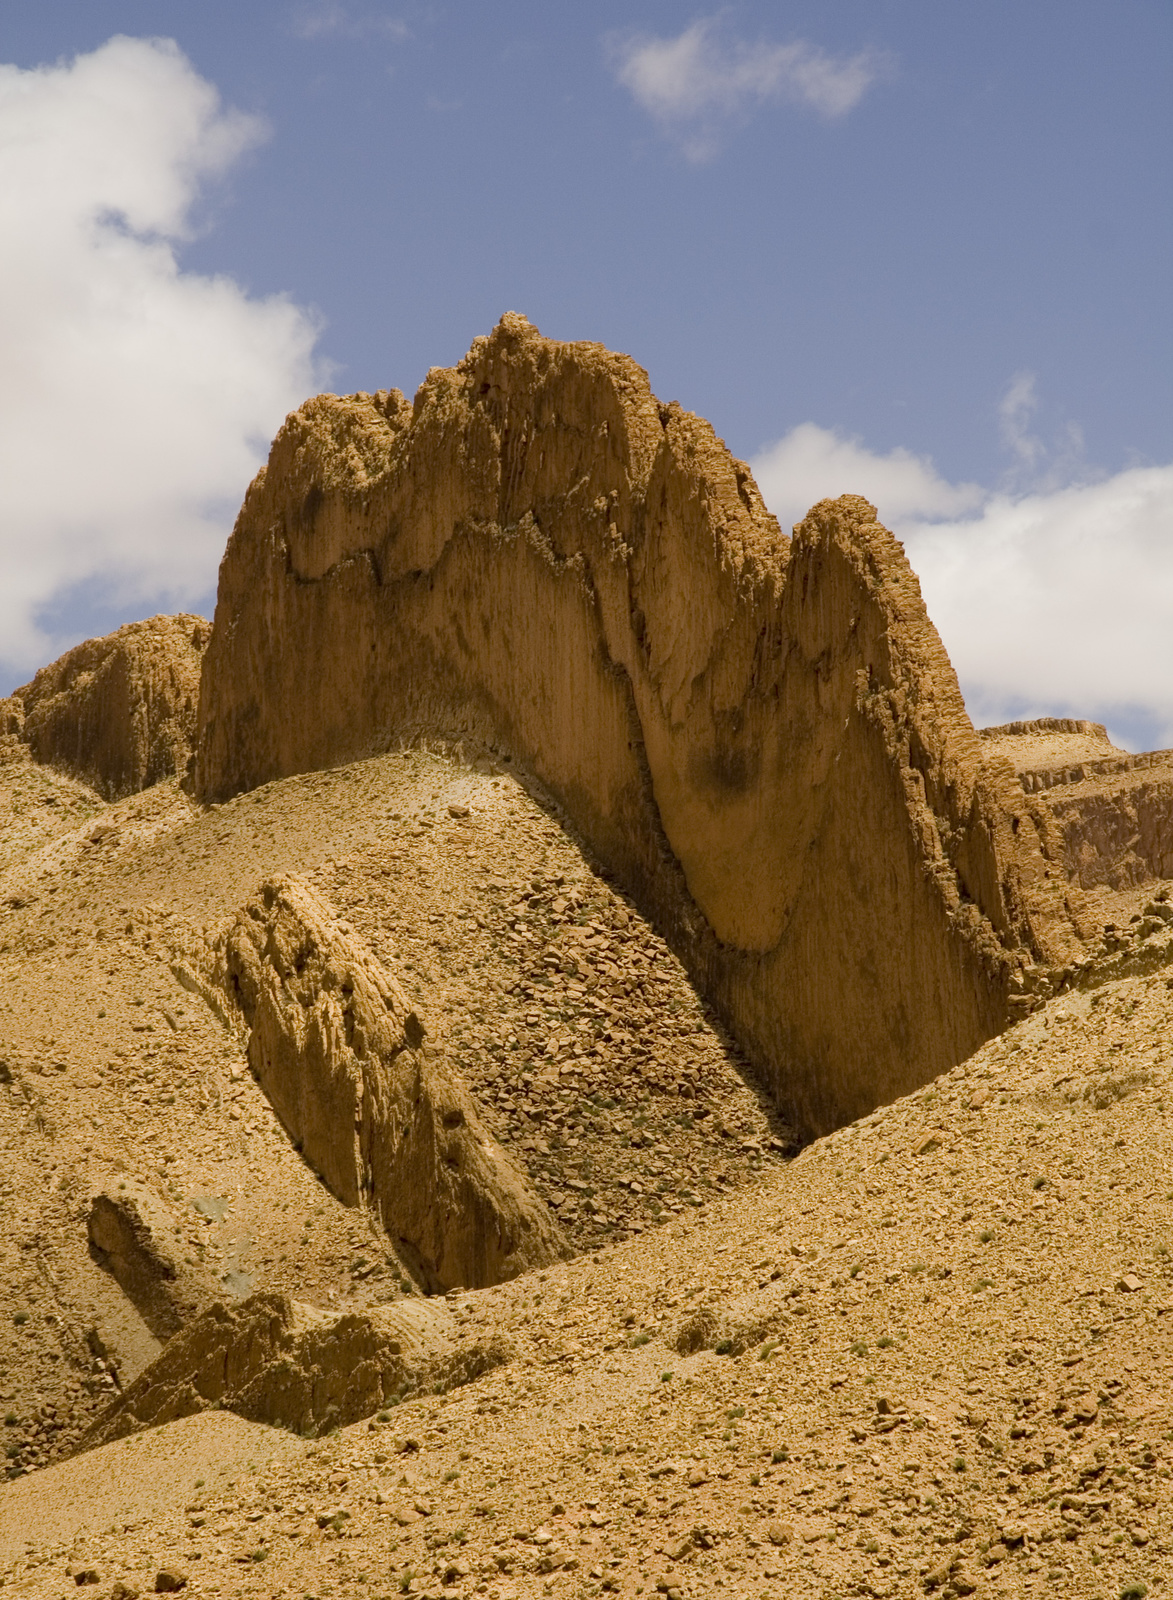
(117, 712)
(761, 737)
(381, 1116)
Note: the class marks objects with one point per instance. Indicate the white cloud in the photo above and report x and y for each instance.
(1052, 601)
(1060, 602)
(694, 81)
(326, 17)
(813, 463)
(136, 400)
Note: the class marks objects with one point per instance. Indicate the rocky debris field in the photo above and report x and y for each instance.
(928, 1357)
(577, 1032)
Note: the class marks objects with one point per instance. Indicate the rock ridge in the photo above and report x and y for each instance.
(762, 737)
(381, 1116)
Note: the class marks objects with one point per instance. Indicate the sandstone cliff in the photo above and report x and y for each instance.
(762, 737)
(117, 712)
(385, 1120)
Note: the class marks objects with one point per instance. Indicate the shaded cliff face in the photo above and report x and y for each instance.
(117, 712)
(762, 737)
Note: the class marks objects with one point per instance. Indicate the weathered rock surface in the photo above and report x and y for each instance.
(762, 738)
(117, 712)
(1105, 815)
(384, 1119)
(132, 1236)
(271, 1359)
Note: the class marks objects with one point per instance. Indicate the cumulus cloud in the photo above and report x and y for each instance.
(697, 80)
(813, 463)
(1050, 600)
(136, 399)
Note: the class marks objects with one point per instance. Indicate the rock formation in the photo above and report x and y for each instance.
(131, 1236)
(762, 738)
(271, 1359)
(1105, 815)
(382, 1117)
(118, 712)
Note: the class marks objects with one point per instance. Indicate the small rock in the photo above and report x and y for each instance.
(458, 811)
(978, 1099)
(926, 1143)
(168, 1581)
(86, 1575)
(542, 1535)
(1129, 1283)
(123, 1591)
(779, 1533)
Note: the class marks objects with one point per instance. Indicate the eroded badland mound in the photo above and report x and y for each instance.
(403, 1057)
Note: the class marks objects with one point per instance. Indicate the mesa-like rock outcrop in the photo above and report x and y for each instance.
(1105, 814)
(761, 737)
(117, 712)
(383, 1118)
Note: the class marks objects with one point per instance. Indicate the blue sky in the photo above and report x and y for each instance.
(939, 231)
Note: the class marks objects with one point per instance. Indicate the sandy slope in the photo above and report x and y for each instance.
(595, 1064)
(930, 1355)
(949, 1373)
